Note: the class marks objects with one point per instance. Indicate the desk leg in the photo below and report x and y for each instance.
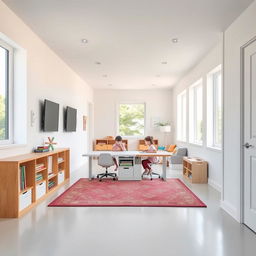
(164, 168)
(90, 167)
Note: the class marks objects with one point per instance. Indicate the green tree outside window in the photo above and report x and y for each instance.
(131, 119)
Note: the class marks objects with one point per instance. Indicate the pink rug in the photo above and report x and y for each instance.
(145, 193)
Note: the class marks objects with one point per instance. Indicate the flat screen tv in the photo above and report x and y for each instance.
(70, 119)
(50, 116)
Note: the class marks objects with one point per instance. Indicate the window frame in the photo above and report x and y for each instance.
(193, 112)
(9, 88)
(212, 103)
(118, 119)
(180, 136)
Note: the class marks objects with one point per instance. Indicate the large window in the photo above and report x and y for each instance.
(5, 93)
(132, 119)
(196, 113)
(214, 109)
(182, 116)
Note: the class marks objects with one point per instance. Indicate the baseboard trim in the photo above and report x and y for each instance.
(231, 210)
(214, 184)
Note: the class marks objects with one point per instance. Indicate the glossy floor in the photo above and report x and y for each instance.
(127, 231)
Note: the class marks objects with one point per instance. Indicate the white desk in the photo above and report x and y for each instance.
(163, 154)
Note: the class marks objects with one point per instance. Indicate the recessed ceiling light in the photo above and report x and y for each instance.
(105, 75)
(164, 62)
(84, 41)
(97, 63)
(109, 85)
(175, 40)
(157, 75)
(153, 84)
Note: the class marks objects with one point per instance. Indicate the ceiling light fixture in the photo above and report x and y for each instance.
(84, 41)
(157, 75)
(97, 63)
(164, 62)
(105, 75)
(175, 40)
(109, 85)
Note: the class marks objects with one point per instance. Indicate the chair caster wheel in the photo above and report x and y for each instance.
(100, 180)
(114, 178)
(98, 176)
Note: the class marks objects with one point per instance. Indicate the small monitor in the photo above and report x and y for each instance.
(71, 119)
(50, 116)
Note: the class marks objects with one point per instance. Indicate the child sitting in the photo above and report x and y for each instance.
(118, 146)
(152, 159)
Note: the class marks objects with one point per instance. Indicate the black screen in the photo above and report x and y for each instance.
(51, 116)
(71, 114)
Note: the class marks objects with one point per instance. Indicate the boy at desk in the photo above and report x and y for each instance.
(118, 146)
(151, 159)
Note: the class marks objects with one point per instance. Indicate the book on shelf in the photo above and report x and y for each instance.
(50, 164)
(60, 160)
(50, 175)
(51, 184)
(40, 167)
(23, 184)
(39, 176)
(41, 149)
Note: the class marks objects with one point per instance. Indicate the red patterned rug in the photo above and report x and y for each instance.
(145, 193)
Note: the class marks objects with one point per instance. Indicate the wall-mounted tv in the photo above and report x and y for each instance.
(50, 116)
(70, 119)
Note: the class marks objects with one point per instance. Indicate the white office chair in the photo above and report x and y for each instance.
(106, 160)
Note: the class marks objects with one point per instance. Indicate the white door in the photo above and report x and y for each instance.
(250, 136)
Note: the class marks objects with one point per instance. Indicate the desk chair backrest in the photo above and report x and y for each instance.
(105, 160)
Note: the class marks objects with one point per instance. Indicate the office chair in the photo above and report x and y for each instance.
(153, 173)
(106, 160)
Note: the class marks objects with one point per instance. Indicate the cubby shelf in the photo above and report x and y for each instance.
(15, 202)
(195, 170)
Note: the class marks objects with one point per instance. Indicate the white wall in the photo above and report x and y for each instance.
(158, 105)
(239, 33)
(47, 77)
(214, 157)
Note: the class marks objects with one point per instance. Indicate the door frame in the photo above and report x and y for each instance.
(242, 142)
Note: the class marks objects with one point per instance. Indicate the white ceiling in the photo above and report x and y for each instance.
(129, 37)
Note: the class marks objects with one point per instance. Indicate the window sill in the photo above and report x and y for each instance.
(182, 141)
(9, 146)
(214, 149)
(195, 144)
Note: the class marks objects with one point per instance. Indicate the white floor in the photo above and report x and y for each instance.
(127, 231)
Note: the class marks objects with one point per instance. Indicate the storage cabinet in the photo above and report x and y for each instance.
(129, 168)
(27, 179)
(195, 170)
(107, 144)
(143, 147)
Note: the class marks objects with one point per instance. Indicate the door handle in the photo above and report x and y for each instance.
(247, 145)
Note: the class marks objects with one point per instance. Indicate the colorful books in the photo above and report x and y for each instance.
(40, 167)
(23, 184)
(51, 184)
(39, 176)
(41, 149)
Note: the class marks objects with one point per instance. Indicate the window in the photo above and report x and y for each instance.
(132, 119)
(182, 116)
(196, 113)
(214, 109)
(6, 55)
